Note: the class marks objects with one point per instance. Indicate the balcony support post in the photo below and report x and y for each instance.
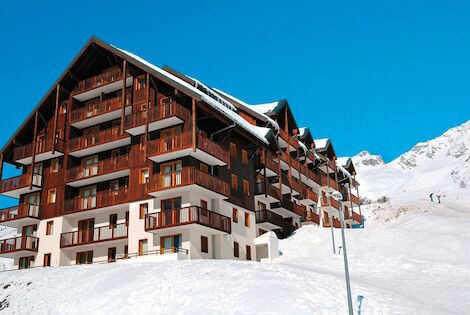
(265, 177)
(1, 165)
(194, 120)
(357, 195)
(280, 175)
(147, 98)
(35, 134)
(123, 95)
(54, 133)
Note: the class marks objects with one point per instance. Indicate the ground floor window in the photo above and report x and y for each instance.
(26, 262)
(143, 246)
(236, 250)
(84, 257)
(170, 244)
(248, 252)
(111, 254)
(204, 244)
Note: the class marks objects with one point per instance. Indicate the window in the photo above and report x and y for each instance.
(236, 250)
(47, 260)
(63, 108)
(246, 187)
(84, 258)
(248, 252)
(143, 247)
(244, 157)
(143, 210)
(204, 244)
(235, 215)
(140, 83)
(234, 182)
(233, 150)
(204, 167)
(114, 186)
(247, 219)
(126, 251)
(49, 227)
(115, 153)
(144, 175)
(127, 217)
(204, 204)
(142, 143)
(170, 244)
(51, 196)
(25, 262)
(111, 254)
(113, 220)
(54, 165)
(58, 134)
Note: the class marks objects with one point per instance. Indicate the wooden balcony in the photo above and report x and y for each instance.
(13, 247)
(330, 201)
(96, 235)
(104, 170)
(297, 187)
(24, 154)
(351, 200)
(309, 177)
(332, 165)
(285, 138)
(96, 112)
(309, 195)
(16, 186)
(106, 82)
(102, 199)
(103, 140)
(286, 208)
(268, 220)
(295, 165)
(188, 215)
(357, 217)
(24, 214)
(312, 217)
(285, 183)
(329, 183)
(271, 163)
(269, 192)
(188, 179)
(159, 117)
(207, 150)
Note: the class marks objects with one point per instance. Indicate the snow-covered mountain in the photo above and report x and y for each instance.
(440, 166)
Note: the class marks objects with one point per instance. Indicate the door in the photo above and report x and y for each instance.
(170, 244)
(32, 203)
(111, 254)
(90, 166)
(37, 172)
(143, 247)
(85, 230)
(88, 195)
(171, 211)
(90, 135)
(171, 173)
(40, 143)
(171, 139)
(28, 240)
(116, 127)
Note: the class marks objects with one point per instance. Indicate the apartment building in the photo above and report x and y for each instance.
(122, 158)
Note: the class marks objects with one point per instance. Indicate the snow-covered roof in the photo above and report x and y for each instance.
(322, 143)
(343, 170)
(303, 132)
(227, 111)
(303, 146)
(264, 108)
(343, 161)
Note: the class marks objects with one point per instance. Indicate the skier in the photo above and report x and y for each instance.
(430, 197)
(439, 198)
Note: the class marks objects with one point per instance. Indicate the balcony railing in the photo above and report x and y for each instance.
(109, 76)
(97, 169)
(307, 193)
(21, 181)
(96, 138)
(332, 165)
(25, 151)
(296, 186)
(100, 200)
(9, 245)
(155, 114)
(187, 176)
(271, 190)
(100, 234)
(357, 217)
(286, 137)
(95, 108)
(330, 201)
(187, 215)
(310, 174)
(184, 141)
(266, 216)
(313, 217)
(18, 212)
(327, 181)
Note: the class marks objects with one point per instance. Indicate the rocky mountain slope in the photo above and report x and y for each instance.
(440, 166)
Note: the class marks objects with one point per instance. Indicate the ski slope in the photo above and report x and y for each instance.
(412, 258)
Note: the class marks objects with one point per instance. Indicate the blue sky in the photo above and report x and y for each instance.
(375, 75)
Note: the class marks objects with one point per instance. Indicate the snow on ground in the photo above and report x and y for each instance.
(6, 232)
(412, 258)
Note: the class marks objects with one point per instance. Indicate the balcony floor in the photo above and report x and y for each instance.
(193, 227)
(101, 147)
(156, 125)
(100, 118)
(198, 154)
(285, 213)
(267, 226)
(16, 223)
(174, 191)
(94, 211)
(40, 157)
(16, 193)
(106, 88)
(96, 244)
(96, 179)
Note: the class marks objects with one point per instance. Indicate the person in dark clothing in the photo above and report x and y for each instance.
(430, 197)
(439, 198)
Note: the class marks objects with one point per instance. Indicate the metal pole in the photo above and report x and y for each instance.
(331, 225)
(345, 256)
